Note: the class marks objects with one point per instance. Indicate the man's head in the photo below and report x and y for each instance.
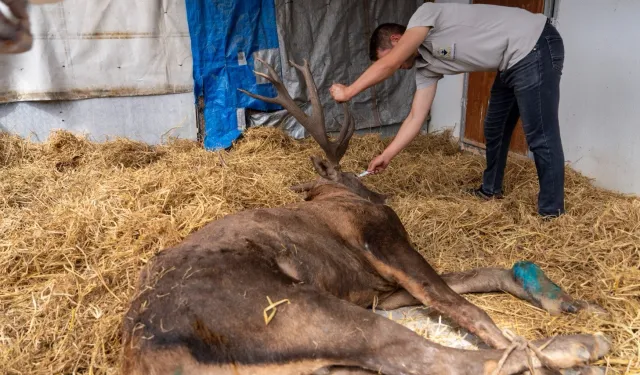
(384, 38)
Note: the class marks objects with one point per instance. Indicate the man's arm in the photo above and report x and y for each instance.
(384, 67)
(410, 128)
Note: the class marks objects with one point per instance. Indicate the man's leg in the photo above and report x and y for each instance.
(501, 119)
(536, 82)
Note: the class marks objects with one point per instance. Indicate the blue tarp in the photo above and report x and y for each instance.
(224, 34)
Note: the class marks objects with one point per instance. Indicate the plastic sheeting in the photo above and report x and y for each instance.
(101, 48)
(226, 36)
(334, 37)
(152, 119)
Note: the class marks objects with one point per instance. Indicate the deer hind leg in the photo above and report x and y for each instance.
(526, 281)
(349, 340)
(376, 345)
(337, 333)
(317, 332)
(398, 299)
(587, 370)
(337, 370)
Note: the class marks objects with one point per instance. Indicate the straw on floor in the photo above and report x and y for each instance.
(78, 219)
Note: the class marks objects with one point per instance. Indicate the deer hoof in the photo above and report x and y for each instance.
(571, 351)
(546, 294)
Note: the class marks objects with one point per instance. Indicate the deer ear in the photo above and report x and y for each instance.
(325, 169)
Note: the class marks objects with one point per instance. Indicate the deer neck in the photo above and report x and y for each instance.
(328, 190)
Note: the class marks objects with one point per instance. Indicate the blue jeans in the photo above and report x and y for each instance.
(531, 90)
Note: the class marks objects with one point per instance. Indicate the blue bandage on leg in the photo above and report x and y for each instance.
(534, 281)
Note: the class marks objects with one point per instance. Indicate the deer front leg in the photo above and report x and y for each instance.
(411, 271)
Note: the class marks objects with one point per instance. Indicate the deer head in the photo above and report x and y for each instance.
(329, 168)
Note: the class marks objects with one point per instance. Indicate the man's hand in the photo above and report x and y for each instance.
(340, 93)
(379, 163)
(410, 128)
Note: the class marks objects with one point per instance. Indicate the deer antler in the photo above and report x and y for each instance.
(314, 124)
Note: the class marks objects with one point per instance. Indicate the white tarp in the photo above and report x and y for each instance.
(101, 48)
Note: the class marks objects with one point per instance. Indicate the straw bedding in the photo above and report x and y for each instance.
(78, 220)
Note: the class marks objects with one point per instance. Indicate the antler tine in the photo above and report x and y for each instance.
(314, 124)
(272, 72)
(347, 130)
(278, 99)
(314, 98)
(282, 98)
(260, 97)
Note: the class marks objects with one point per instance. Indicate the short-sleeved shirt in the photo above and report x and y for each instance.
(472, 37)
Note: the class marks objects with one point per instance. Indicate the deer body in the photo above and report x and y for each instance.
(200, 305)
(307, 253)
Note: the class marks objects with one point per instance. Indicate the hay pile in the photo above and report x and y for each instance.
(79, 219)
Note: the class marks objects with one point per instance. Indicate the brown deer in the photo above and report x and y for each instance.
(285, 290)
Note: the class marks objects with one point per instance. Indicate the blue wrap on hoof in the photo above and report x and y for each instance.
(534, 281)
(545, 293)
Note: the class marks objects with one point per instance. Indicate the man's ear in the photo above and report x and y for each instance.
(394, 38)
(325, 169)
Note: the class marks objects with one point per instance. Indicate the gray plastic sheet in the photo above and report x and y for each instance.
(333, 35)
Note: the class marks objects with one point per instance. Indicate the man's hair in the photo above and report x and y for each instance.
(381, 38)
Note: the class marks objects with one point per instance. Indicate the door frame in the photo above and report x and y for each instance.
(550, 10)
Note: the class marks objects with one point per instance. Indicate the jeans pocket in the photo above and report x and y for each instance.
(556, 50)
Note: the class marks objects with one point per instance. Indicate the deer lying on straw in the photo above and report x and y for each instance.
(285, 290)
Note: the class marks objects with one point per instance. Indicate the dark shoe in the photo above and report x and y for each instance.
(549, 217)
(480, 193)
